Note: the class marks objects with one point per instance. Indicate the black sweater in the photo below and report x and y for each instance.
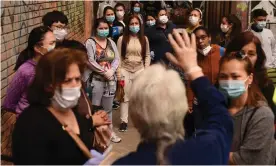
(39, 139)
(159, 43)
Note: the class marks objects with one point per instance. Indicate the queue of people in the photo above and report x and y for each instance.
(222, 111)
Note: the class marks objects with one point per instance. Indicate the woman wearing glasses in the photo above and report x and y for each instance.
(253, 120)
(208, 59)
(208, 56)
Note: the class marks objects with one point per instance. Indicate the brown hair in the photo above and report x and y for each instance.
(140, 34)
(239, 42)
(51, 72)
(254, 94)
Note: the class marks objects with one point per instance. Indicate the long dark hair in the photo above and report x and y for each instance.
(239, 42)
(141, 36)
(35, 39)
(51, 72)
(254, 93)
(236, 25)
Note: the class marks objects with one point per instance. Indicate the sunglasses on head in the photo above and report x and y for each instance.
(240, 54)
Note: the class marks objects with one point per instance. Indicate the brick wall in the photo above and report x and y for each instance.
(18, 18)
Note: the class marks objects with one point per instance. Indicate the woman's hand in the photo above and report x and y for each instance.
(109, 74)
(185, 53)
(96, 159)
(100, 118)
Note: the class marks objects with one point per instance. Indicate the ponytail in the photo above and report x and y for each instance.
(35, 38)
(25, 55)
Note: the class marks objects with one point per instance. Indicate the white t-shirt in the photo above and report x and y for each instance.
(269, 46)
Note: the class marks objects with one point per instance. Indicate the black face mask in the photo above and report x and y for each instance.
(255, 27)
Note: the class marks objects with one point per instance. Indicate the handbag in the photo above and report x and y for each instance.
(120, 93)
(102, 134)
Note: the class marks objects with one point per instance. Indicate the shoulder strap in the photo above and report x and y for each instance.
(247, 123)
(88, 102)
(221, 51)
(74, 136)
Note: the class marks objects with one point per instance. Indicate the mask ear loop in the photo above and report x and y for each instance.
(39, 50)
(248, 86)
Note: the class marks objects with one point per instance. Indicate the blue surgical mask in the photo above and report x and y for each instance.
(110, 18)
(103, 32)
(150, 23)
(136, 9)
(232, 88)
(134, 29)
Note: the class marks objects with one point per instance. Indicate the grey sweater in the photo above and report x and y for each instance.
(255, 146)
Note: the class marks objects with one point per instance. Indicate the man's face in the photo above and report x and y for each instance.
(58, 25)
(260, 18)
(162, 13)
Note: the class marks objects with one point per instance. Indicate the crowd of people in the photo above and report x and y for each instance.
(192, 101)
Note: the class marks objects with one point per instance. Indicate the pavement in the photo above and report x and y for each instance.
(130, 140)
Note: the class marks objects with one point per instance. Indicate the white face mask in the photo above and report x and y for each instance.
(262, 24)
(120, 14)
(50, 48)
(163, 19)
(67, 98)
(60, 33)
(205, 51)
(193, 20)
(224, 28)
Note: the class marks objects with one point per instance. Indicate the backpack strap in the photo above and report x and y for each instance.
(221, 51)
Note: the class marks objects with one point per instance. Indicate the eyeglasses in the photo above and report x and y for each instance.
(203, 37)
(59, 27)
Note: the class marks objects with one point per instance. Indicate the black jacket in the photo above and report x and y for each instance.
(159, 43)
(38, 139)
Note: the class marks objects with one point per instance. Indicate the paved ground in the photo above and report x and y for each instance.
(130, 140)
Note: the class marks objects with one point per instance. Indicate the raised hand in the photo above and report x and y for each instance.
(185, 52)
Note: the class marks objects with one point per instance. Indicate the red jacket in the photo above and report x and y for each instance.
(210, 68)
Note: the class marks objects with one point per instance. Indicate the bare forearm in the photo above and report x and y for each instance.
(231, 160)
